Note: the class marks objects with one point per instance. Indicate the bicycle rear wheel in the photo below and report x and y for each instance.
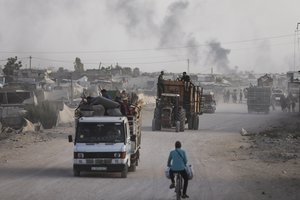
(178, 187)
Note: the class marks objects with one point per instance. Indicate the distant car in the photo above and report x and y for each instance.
(209, 103)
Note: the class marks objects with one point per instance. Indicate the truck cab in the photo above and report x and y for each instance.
(104, 144)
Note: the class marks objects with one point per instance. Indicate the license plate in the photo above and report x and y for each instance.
(99, 168)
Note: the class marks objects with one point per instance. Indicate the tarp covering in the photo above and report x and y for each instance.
(29, 127)
(47, 80)
(65, 116)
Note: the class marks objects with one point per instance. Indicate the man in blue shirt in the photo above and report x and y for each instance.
(177, 161)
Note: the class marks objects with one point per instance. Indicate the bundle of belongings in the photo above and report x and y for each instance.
(102, 106)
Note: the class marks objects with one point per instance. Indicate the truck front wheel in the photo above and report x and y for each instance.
(125, 171)
(154, 124)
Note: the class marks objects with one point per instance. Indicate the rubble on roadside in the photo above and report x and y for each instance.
(19, 138)
(276, 144)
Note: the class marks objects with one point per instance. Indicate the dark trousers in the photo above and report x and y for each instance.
(160, 89)
(184, 176)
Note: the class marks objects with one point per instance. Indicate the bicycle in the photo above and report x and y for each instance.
(178, 185)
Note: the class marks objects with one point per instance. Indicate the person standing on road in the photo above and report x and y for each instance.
(241, 96)
(177, 161)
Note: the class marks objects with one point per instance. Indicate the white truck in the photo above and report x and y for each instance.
(107, 144)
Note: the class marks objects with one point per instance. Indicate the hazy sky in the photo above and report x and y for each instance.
(153, 35)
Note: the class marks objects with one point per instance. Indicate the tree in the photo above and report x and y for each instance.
(11, 66)
(78, 66)
(127, 71)
(136, 72)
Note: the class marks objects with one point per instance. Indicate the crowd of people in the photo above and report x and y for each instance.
(236, 97)
(287, 103)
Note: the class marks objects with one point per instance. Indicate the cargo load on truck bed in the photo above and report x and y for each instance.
(259, 99)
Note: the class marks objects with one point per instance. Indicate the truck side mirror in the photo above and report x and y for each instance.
(133, 138)
(70, 138)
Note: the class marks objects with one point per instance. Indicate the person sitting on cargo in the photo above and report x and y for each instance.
(105, 94)
(160, 84)
(125, 109)
(185, 77)
(89, 100)
(123, 93)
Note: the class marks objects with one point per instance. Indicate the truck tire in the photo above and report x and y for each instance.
(157, 119)
(76, 173)
(153, 124)
(158, 125)
(191, 122)
(249, 110)
(196, 122)
(177, 126)
(125, 171)
(181, 117)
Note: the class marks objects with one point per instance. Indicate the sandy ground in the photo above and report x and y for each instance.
(262, 165)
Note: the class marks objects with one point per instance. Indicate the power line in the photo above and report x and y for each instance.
(146, 49)
(126, 63)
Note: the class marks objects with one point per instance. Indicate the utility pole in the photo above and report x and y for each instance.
(297, 35)
(188, 66)
(72, 96)
(30, 62)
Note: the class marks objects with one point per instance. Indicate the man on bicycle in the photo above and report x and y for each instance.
(177, 161)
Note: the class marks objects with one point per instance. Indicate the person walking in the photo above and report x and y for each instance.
(241, 96)
(177, 161)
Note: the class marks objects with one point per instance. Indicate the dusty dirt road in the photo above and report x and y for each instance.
(224, 168)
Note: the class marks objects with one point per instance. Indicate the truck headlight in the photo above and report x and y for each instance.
(80, 155)
(117, 155)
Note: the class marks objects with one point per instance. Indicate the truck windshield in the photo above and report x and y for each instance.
(100, 133)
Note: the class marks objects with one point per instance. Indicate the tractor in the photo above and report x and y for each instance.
(180, 103)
